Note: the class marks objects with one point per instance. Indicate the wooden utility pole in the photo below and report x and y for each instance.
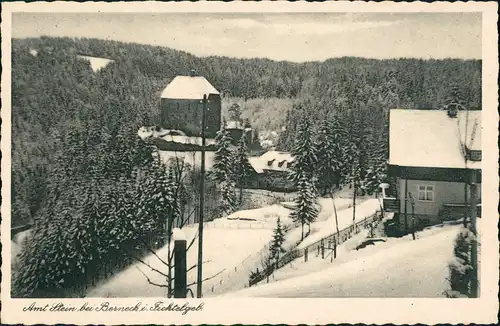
(473, 216)
(202, 202)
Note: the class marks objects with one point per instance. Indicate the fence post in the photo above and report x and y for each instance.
(305, 255)
(322, 249)
(180, 270)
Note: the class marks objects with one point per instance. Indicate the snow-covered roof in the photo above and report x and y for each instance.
(430, 138)
(188, 88)
(188, 140)
(172, 135)
(271, 160)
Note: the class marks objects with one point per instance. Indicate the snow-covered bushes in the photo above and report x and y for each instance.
(460, 267)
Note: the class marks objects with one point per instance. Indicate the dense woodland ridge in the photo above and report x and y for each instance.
(76, 154)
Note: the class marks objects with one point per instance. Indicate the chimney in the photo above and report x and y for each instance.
(192, 73)
(452, 110)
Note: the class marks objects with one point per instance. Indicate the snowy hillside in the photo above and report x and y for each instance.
(96, 63)
(325, 227)
(223, 250)
(396, 268)
(232, 245)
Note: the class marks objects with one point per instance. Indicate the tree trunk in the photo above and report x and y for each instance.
(302, 236)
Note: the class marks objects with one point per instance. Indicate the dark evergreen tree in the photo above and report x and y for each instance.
(223, 160)
(454, 99)
(228, 201)
(242, 167)
(330, 155)
(306, 210)
(304, 154)
(276, 248)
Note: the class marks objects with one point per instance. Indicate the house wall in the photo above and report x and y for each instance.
(186, 115)
(444, 193)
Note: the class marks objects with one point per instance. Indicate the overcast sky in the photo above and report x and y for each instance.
(295, 37)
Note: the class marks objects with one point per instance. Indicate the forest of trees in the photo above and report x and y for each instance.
(55, 91)
(74, 131)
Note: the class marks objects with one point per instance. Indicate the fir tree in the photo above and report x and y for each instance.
(304, 154)
(276, 247)
(242, 165)
(454, 99)
(223, 159)
(228, 201)
(329, 154)
(305, 211)
(377, 160)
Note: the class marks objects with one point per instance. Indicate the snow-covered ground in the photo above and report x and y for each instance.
(96, 63)
(234, 244)
(224, 249)
(325, 225)
(264, 217)
(399, 267)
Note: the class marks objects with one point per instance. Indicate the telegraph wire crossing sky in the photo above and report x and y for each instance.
(297, 37)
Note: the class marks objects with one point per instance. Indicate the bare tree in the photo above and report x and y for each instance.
(178, 168)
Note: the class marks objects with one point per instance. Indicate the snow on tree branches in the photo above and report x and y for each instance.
(276, 247)
(242, 166)
(461, 268)
(304, 154)
(306, 210)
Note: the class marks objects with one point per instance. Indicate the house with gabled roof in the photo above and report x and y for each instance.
(181, 105)
(271, 170)
(433, 156)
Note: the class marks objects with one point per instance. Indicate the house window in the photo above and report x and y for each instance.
(425, 193)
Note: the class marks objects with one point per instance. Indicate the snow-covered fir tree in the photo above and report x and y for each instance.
(377, 160)
(228, 203)
(223, 160)
(276, 248)
(329, 155)
(93, 215)
(223, 172)
(242, 166)
(454, 99)
(304, 154)
(305, 210)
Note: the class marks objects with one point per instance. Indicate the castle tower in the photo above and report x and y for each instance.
(181, 105)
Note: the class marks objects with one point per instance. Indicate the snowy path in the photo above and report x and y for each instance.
(397, 268)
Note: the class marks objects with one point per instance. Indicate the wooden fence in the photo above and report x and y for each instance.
(318, 246)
